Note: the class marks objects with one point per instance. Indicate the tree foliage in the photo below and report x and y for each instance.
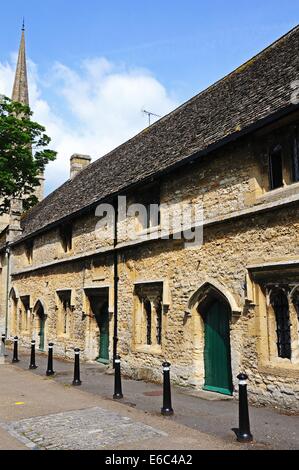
(23, 153)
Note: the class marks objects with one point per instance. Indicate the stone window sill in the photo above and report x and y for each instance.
(279, 193)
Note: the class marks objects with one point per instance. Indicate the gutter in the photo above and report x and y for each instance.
(270, 119)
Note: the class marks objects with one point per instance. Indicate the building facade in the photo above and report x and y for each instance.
(229, 159)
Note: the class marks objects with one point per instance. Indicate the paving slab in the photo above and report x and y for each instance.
(89, 429)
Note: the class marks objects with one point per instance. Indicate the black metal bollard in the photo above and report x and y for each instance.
(117, 379)
(77, 380)
(15, 357)
(244, 434)
(32, 364)
(50, 370)
(167, 407)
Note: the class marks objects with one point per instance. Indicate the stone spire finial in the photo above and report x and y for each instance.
(20, 88)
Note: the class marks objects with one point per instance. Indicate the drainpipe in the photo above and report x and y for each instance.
(7, 252)
(115, 281)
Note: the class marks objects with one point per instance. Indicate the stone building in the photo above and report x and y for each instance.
(228, 303)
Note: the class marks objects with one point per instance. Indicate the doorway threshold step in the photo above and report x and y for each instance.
(96, 365)
(206, 395)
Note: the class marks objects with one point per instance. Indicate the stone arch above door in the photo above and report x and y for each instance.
(212, 288)
(14, 294)
(40, 319)
(40, 303)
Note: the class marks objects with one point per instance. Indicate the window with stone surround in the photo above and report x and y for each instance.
(29, 251)
(277, 166)
(25, 313)
(149, 316)
(64, 312)
(280, 304)
(66, 237)
(274, 294)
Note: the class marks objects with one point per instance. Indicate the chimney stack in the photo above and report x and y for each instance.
(78, 163)
(15, 214)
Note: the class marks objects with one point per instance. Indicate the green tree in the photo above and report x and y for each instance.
(23, 153)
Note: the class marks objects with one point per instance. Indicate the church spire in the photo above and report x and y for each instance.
(21, 95)
(20, 88)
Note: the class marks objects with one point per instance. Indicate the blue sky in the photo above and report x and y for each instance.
(154, 53)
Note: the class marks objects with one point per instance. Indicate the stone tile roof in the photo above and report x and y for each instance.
(256, 90)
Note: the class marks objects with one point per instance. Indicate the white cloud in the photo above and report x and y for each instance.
(101, 105)
(6, 79)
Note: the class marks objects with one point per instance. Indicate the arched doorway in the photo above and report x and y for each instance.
(41, 324)
(213, 307)
(217, 354)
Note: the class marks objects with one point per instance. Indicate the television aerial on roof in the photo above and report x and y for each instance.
(149, 114)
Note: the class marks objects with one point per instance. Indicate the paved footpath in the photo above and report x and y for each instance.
(39, 413)
(211, 417)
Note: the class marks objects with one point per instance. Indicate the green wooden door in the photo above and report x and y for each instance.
(218, 374)
(103, 323)
(41, 333)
